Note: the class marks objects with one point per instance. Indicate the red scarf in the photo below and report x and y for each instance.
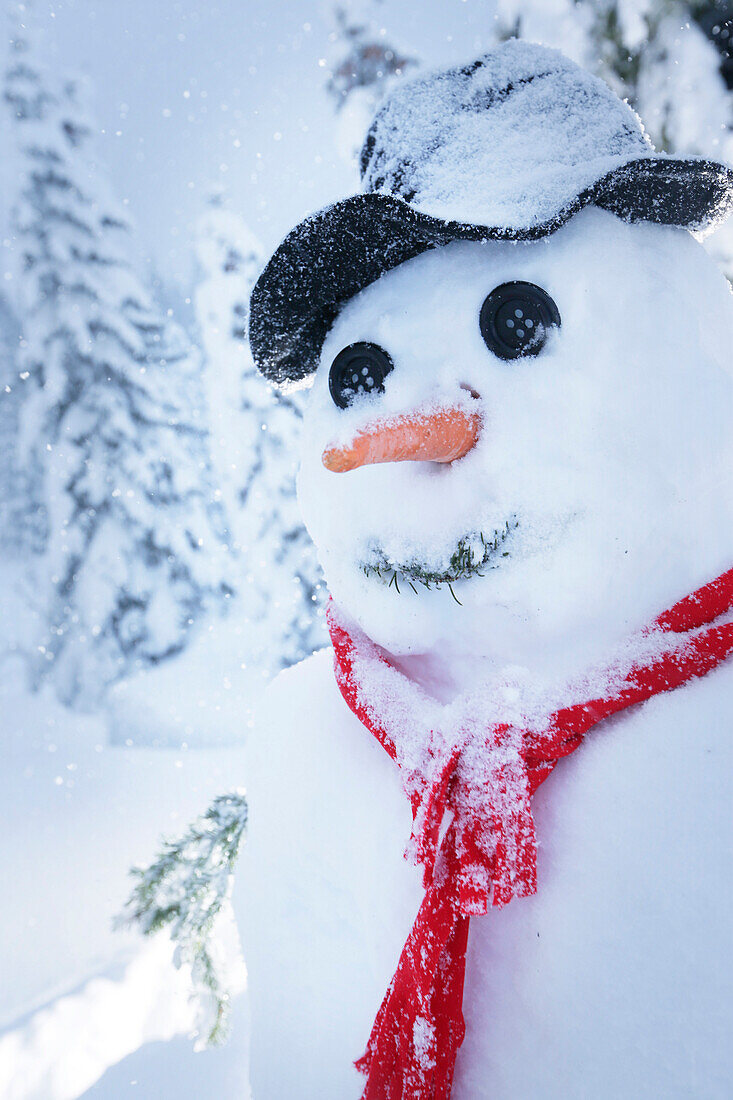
(488, 853)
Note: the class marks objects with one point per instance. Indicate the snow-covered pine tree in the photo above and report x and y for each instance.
(112, 414)
(364, 66)
(716, 19)
(229, 259)
(22, 518)
(255, 433)
(654, 54)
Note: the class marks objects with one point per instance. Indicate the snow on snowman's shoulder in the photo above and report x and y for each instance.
(681, 738)
(305, 676)
(297, 693)
(303, 724)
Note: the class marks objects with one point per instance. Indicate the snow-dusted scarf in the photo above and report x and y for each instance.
(481, 780)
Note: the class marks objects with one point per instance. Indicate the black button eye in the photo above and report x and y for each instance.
(359, 368)
(516, 318)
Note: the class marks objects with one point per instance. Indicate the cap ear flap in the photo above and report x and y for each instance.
(320, 265)
(689, 193)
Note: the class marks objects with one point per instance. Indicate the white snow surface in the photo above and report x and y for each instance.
(509, 144)
(205, 698)
(76, 997)
(68, 1044)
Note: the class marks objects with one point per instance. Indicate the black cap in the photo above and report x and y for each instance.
(507, 148)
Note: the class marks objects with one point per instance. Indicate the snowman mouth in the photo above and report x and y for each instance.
(473, 554)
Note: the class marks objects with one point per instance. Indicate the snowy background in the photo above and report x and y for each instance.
(156, 575)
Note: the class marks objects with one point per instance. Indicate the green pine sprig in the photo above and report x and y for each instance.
(183, 891)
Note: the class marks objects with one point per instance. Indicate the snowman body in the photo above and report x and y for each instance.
(613, 981)
(604, 475)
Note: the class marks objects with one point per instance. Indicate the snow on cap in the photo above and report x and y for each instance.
(507, 141)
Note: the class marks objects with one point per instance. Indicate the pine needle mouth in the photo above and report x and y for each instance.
(473, 554)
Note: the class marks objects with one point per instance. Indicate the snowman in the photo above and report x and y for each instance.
(518, 470)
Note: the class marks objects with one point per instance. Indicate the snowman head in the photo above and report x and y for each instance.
(519, 419)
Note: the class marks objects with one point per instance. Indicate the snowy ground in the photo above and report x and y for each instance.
(84, 1009)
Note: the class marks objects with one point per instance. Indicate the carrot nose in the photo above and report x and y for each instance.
(442, 435)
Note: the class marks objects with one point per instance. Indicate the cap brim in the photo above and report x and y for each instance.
(335, 253)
